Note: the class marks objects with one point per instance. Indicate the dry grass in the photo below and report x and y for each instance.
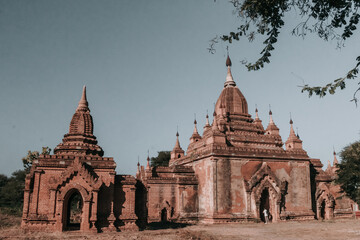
(7, 221)
(339, 229)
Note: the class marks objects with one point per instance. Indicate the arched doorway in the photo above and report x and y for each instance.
(323, 210)
(264, 204)
(164, 215)
(73, 209)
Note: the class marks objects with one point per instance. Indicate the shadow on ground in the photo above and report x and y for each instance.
(165, 225)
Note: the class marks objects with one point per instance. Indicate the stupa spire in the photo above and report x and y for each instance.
(293, 141)
(80, 139)
(229, 78)
(83, 103)
(177, 144)
(195, 127)
(292, 132)
(148, 162)
(270, 116)
(207, 124)
(138, 165)
(272, 128)
(257, 120)
(177, 151)
(256, 114)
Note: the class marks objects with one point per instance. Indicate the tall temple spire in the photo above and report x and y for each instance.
(177, 151)
(80, 139)
(195, 136)
(270, 116)
(272, 128)
(257, 120)
(195, 127)
(293, 141)
(83, 103)
(148, 161)
(207, 124)
(229, 78)
(292, 132)
(177, 144)
(138, 165)
(256, 114)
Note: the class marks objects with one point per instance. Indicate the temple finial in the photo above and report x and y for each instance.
(228, 61)
(177, 143)
(292, 132)
(83, 103)
(138, 165)
(229, 78)
(195, 122)
(207, 119)
(148, 161)
(270, 114)
(256, 113)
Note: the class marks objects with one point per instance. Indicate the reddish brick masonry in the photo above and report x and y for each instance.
(231, 173)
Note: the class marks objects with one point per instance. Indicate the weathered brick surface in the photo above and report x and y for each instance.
(229, 174)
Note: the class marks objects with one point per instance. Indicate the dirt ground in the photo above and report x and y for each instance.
(339, 229)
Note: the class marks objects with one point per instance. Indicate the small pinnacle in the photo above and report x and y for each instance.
(177, 133)
(291, 121)
(228, 61)
(270, 112)
(83, 104)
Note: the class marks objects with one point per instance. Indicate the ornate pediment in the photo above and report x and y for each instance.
(260, 174)
(78, 169)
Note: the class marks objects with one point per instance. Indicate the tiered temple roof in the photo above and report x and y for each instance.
(234, 132)
(80, 140)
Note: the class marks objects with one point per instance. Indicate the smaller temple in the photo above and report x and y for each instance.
(329, 201)
(77, 188)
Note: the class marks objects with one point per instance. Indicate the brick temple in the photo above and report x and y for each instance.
(230, 173)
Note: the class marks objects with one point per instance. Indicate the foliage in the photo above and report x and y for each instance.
(12, 188)
(12, 191)
(33, 155)
(349, 171)
(162, 159)
(330, 20)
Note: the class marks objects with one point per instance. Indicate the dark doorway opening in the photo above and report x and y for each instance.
(264, 204)
(164, 215)
(322, 210)
(74, 211)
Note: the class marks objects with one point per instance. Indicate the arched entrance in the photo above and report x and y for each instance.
(73, 211)
(164, 215)
(264, 203)
(323, 210)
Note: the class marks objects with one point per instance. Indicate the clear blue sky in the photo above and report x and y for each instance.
(147, 70)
